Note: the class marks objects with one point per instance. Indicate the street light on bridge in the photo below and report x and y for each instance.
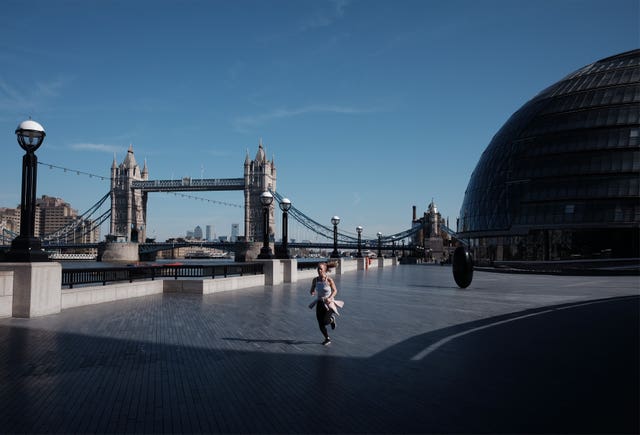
(379, 244)
(359, 231)
(26, 247)
(285, 205)
(266, 199)
(335, 221)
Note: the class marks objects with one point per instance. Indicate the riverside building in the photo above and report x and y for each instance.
(560, 180)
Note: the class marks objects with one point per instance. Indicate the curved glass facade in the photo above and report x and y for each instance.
(561, 178)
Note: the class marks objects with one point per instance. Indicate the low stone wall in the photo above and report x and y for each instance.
(207, 286)
(274, 271)
(383, 262)
(6, 293)
(81, 296)
(307, 274)
(346, 265)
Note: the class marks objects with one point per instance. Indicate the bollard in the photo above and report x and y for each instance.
(462, 267)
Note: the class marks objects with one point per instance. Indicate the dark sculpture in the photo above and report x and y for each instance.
(462, 267)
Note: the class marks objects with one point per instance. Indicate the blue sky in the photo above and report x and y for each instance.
(369, 107)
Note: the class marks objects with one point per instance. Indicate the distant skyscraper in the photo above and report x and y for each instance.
(208, 232)
(197, 232)
(235, 232)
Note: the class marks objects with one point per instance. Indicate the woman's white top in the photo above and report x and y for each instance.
(323, 289)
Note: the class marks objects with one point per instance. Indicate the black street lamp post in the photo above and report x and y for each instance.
(285, 205)
(335, 221)
(26, 247)
(379, 244)
(359, 231)
(393, 244)
(265, 252)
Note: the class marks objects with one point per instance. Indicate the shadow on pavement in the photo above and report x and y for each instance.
(567, 368)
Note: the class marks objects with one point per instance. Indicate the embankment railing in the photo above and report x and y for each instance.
(76, 276)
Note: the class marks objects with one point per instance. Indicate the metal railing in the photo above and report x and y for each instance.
(71, 277)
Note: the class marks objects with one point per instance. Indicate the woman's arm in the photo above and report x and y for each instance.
(334, 290)
(313, 286)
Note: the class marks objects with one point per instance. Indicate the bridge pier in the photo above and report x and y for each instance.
(121, 252)
(247, 251)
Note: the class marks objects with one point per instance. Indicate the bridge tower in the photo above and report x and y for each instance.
(259, 175)
(128, 206)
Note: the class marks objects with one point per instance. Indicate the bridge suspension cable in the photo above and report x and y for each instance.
(312, 225)
(78, 172)
(103, 178)
(343, 237)
(198, 198)
(80, 221)
(7, 236)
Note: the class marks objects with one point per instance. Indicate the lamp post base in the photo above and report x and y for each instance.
(335, 254)
(282, 253)
(26, 250)
(265, 253)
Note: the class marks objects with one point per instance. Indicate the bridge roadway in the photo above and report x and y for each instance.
(411, 353)
(189, 184)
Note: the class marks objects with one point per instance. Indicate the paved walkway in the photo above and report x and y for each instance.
(411, 353)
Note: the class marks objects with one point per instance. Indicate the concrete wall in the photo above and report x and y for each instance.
(6, 293)
(383, 262)
(36, 288)
(274, 272)
(346, 265)
(289, 270)
(307, 274)
(207, 286)
(78, 297)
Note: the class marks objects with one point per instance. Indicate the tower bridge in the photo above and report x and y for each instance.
(131, 185)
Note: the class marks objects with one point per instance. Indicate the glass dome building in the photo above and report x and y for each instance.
(560, 180)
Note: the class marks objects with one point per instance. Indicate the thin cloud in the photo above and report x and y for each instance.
(356, 198)
(245, 122)
(323, 17)
(97, 147)
(51, 88)
(25, 98)
(12, 98)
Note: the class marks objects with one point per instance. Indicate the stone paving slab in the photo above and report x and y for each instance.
(412, 353)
